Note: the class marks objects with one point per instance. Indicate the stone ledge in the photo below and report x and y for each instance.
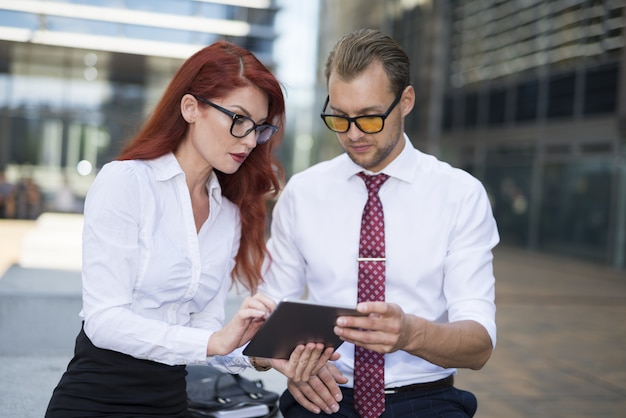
(54, 243)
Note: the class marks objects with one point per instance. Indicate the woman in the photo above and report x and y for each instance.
(168, 227)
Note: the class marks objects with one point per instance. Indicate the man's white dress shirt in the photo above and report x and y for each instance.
(439, 234)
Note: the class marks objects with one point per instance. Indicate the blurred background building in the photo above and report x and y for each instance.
(527, 95)
(77, 77)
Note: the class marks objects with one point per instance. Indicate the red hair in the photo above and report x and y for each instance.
(213, 72)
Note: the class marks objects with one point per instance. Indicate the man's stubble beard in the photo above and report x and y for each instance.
(380, 154)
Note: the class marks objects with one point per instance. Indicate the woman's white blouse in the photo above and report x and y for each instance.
(153, 287)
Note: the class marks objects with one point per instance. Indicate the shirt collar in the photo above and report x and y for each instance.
(167, 167)
(402, 167)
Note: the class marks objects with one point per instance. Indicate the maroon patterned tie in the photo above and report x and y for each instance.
(369, 366)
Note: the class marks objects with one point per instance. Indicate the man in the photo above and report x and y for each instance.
(436, 312)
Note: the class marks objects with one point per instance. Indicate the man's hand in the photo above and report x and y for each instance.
(384, 330)
(387, 328)
(321, 392)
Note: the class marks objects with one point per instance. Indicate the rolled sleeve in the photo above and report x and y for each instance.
(469, 283)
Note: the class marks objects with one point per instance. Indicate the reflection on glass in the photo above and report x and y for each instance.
(75, 25)
(509, 188)
(176, 7)
(19, 20)
(575, 209)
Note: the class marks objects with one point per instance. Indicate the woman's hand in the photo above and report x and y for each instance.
(244, 324)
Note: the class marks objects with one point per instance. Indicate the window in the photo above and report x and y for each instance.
(471, 109)
(574, 216)
(561, 95)
(497, 107)
(601, 90)
(527, 95)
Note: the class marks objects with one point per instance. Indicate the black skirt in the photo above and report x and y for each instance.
(105, 383)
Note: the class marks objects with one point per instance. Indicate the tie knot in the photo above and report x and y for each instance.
(373, 183)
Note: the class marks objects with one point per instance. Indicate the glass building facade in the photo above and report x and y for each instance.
(528, 96)
(77, 77)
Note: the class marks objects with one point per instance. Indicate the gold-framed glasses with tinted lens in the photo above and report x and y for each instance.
(242, 125)
(369, 124)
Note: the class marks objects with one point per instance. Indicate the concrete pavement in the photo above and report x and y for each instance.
(561, 337)
(561, 340)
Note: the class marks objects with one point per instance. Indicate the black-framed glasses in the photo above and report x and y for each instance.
(369, 124)
(242, 125)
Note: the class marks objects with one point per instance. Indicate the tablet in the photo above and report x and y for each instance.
(295, 322)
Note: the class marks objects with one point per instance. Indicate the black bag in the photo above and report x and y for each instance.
(212, 393)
